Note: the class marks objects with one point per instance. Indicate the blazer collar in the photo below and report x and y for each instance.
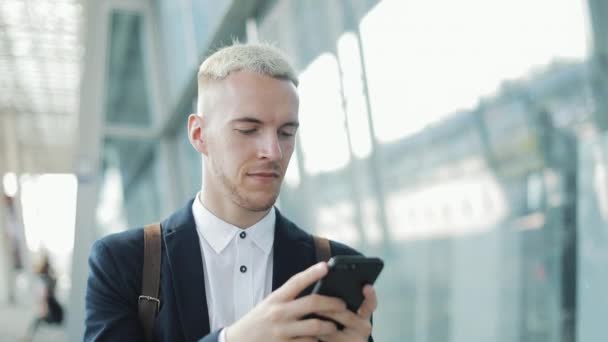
(293, 251)
(186, 264)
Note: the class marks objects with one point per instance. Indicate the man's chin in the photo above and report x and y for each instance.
(260, 204)
(260, 208)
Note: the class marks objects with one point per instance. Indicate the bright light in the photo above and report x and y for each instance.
(323, 134)
(109, 212)
(428, 59)
(10, 184)
(292, 176)
(49, 212)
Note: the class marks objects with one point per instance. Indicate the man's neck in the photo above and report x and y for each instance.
(230, 212)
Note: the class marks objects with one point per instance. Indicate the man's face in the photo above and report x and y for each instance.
(249, 135)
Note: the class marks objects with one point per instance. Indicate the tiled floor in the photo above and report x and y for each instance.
(14, 320)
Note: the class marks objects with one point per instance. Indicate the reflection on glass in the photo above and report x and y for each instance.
(323, 133)
(336, 222)
(428, 59)
(600, 182)
(592, 238)
(371, 228)
(352, 82)
(453, 207)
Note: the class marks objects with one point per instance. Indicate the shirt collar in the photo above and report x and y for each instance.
(218, 233)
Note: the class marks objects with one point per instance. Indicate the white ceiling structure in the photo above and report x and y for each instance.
(41, 58)
(40, 65)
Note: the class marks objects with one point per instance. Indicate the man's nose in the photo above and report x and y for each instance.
(270, 148)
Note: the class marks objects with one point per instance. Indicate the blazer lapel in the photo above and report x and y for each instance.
(293, 251)
(186, 264)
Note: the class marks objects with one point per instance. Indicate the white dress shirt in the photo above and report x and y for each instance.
(237, 264)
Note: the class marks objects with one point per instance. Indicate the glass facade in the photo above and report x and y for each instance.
(450, 139)
(592, 213)
(126, 93)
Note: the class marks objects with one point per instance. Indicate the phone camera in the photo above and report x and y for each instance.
(353, 266)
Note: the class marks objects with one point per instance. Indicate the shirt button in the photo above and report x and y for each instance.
(243, 235)
(243, 269)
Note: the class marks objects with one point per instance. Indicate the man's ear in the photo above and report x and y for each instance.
(196, 135)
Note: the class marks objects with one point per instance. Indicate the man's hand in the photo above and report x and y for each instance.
(278, 317)
(357, 327)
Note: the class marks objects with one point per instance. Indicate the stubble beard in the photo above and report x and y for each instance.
(239, 198)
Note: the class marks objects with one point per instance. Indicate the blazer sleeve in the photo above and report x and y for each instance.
(110, 307)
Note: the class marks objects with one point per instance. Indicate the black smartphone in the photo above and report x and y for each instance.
(346, 277)
(345, 280)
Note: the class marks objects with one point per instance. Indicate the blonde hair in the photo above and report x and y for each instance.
(261, 58)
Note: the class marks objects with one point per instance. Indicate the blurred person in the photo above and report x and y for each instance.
(10, 238)
(232, 265)
(49, 309)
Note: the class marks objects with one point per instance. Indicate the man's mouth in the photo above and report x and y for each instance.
(264, 174)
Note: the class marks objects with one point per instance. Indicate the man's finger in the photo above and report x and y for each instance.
(308, 328)
(300, 281)
(312, 304)
(369, 304)
(352, 323)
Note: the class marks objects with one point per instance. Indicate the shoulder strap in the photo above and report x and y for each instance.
(148, 301)
(322, 248)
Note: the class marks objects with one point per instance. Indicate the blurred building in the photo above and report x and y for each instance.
(463, 142)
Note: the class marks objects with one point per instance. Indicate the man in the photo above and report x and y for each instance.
(232, 266)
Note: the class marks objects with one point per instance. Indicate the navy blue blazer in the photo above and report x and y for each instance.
(114, 282)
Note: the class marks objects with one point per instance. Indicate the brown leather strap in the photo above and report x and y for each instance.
(148, 302)
(322, 249)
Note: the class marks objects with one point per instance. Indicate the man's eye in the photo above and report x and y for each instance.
(246, 131)
(287, 134)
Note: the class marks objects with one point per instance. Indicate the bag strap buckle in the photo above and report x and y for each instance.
(148, 298)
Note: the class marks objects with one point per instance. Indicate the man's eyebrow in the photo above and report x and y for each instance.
(293, 124)
(248, 119)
